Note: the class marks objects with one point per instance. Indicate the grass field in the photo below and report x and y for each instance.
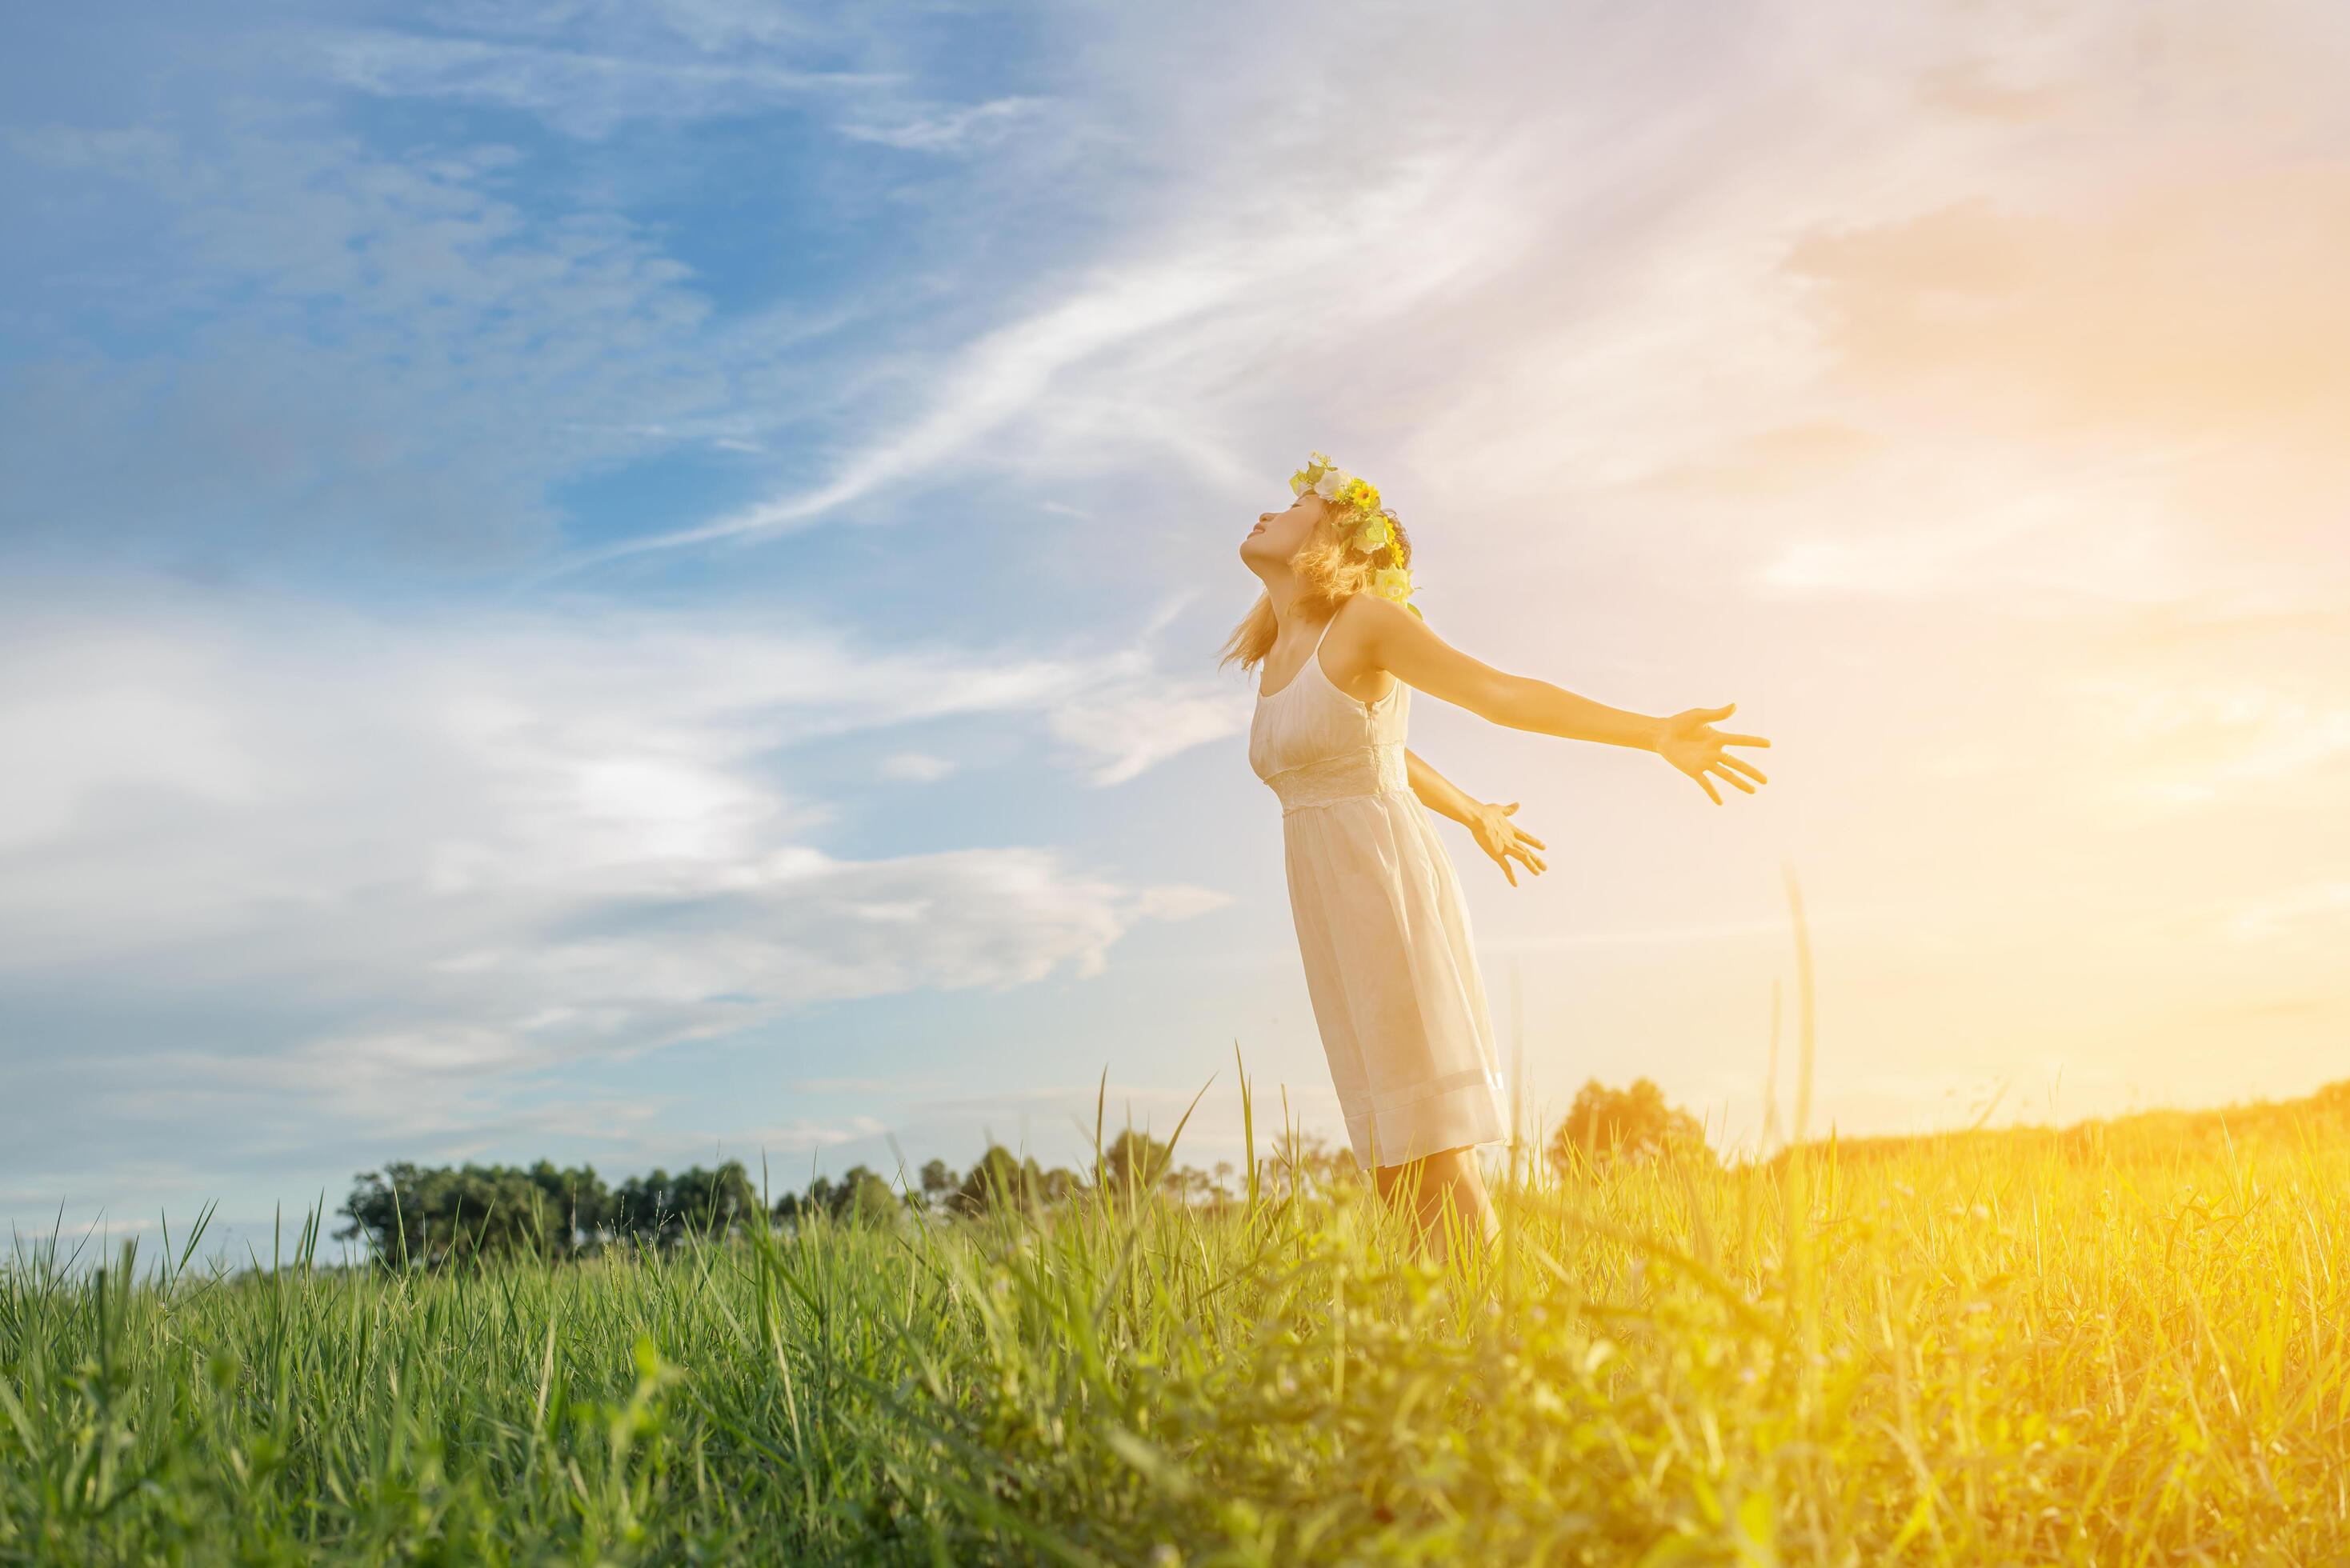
(2115, 1349)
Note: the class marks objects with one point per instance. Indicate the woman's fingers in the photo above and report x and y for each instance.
(1728, 777)
(1744, 766)
(1741, 740)
(1525, 837)
(1707, 784)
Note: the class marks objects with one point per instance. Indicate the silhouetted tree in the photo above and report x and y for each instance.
(1606, 1124)
(1136, 1161)
(1301, 1160)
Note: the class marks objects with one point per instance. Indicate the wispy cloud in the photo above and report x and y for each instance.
(336, 355)
(587, 86)
(2261, 919)
(2200, 743)
(474, 850)
(962, 129)
(1128, 356)
(915, 767)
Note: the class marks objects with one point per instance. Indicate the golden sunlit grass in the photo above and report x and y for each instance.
(2115, 1348)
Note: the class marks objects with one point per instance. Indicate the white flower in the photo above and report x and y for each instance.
(1333, 480)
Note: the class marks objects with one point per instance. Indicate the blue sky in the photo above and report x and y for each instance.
(639, 583)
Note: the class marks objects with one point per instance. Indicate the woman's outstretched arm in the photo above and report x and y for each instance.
(1436, 792)
(1489, 824)
(1402, 644)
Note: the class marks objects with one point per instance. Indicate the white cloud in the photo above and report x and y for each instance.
(907, 1084)
(498, 844)
(1180, 902)
(2259, 919)
(960, 129)
(1136, 717)
(2186, 742)
(915, 767)
(2111, 532)
(336, 346)
(577, 89)
(1228, 300)
(801, 1135)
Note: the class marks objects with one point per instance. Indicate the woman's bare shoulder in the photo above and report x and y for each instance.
(1368, 619)
(1357, 630)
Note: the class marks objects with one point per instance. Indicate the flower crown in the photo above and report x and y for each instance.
(1370, 528)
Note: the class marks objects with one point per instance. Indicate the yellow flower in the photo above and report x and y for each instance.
(1392, 583)
(1333, 483)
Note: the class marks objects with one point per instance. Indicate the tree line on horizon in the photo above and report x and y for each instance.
(415, 1215)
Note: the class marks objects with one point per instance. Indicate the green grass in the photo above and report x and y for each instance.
(2098, 1351)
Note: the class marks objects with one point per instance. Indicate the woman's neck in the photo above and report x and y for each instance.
(1287, 595)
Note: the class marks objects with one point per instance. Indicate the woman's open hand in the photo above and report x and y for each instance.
(1691, 743)
(1499, 837)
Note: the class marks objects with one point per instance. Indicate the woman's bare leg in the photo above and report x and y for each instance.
(1450, 1178)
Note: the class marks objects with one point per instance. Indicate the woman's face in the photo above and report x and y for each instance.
(1279, 536)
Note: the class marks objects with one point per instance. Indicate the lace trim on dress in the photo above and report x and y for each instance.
(1349, 775)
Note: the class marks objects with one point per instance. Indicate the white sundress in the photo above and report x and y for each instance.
(1380, 923)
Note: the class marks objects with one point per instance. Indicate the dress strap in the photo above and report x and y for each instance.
(1314, 661)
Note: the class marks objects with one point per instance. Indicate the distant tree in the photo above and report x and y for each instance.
(863, 1198)
(1606, 1124)
(1136, 1161)
(1188, 1183)
(938, 1180)
(430, 1216)
(662, 1209)
(1001, 1179)
(792, 1207)
(1301, 1160)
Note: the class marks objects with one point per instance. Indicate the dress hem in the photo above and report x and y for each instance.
(1466, 1117)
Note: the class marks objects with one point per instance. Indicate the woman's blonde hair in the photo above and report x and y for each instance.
(1330, 570)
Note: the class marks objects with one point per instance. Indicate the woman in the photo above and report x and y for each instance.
(1380, 923)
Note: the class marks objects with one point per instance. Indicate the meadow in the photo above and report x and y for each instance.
(2119, 1345)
